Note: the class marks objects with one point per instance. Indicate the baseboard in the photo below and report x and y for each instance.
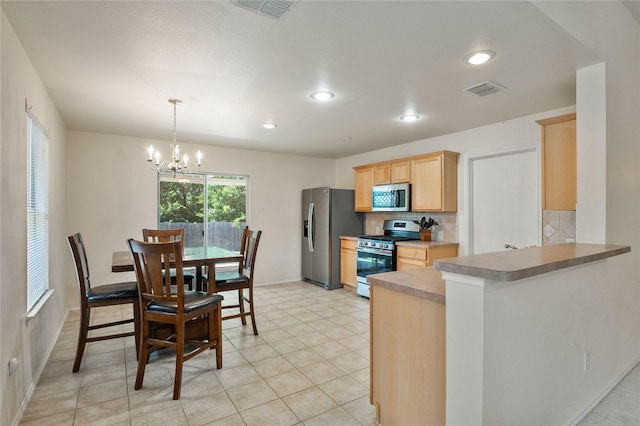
(615, 383)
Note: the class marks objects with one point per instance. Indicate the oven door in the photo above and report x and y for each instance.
(373, 261)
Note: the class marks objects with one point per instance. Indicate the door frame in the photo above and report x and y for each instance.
(493, 154)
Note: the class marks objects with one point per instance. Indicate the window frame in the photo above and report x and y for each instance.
(37, 215)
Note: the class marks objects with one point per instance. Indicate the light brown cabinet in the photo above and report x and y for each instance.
(420, 257)
(363, 185)
(348, 262)
(398, 171)
(559, 165)
(434, 182)
(408, 358)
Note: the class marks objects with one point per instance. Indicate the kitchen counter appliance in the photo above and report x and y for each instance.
(377, 253)
(326, 215)
(390, 198)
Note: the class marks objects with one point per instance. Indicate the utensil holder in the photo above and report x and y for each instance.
(425, 235)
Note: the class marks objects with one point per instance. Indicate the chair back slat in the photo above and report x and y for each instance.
(250, 250)
(151, 260)
(80, 259)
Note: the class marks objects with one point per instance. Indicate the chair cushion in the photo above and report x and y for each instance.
(113, 291)
(193, 300)
(231, 278)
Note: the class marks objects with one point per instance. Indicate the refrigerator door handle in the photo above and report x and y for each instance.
(312, 226)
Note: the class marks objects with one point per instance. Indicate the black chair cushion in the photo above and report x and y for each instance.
(193, 300)
(228, 278)
(113, 291)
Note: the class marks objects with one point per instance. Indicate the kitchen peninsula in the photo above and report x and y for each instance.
(513, 339)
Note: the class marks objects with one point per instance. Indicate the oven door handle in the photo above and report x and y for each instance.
(375, 251)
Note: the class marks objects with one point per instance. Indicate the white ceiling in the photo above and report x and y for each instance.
(110, 67)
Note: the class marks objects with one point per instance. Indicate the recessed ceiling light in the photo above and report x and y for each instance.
(322, 95)
(345, 138)
(409, 117)
(269, 125)
(479, 57)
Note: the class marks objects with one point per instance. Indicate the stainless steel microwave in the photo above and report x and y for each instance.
(390, 198)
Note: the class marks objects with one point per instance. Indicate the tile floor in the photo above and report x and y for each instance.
(309, 366)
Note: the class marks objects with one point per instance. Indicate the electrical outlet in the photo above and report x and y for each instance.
(587, 361)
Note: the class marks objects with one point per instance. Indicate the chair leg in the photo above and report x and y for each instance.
(241, 303)
(82, 338)
(180, 332)
(136, 327)
(217, 325)
(253, 316)
(143, 355)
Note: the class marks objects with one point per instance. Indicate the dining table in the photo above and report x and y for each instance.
(193, 257)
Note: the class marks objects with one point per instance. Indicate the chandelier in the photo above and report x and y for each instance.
(175, 164)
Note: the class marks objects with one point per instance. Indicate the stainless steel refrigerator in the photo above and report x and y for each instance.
(326, 215)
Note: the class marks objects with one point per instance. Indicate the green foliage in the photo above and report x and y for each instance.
(227, 203)
(184, 202)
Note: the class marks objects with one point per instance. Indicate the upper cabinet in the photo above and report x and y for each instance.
(559, 162)
(434, 182)
(363, 184)
(398, 171)
(433, 178)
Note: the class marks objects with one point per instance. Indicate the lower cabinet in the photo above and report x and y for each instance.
(418, 257)
(408, 362)
(348, 262)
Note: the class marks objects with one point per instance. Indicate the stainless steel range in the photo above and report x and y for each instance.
(377, 253)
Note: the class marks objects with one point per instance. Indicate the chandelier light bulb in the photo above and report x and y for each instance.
(175, 164)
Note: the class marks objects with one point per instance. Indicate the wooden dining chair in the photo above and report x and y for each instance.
(241, 279)
(179, 309)
(99, 296)
(166, 235)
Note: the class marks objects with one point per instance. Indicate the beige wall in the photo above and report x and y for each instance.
(30, 342)
(113, 195)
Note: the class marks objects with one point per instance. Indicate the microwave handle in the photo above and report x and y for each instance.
(396, 199)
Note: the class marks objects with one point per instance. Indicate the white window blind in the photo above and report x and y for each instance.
(37, 213)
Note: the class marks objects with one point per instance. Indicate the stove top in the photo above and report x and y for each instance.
(394, 231)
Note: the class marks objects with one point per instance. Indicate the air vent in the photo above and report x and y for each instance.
(273, 8)
(483, 89)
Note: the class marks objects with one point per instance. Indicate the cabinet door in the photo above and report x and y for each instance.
(363, 185)
(559, 173)
(348, 263)
(382, 174)
(426, 180)
(401, 172)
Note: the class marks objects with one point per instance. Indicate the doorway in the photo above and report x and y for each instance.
(504, 199)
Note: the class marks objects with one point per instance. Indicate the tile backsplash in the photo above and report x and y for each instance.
(446, 230)
(558, 226)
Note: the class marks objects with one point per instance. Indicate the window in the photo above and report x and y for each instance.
(37, 213)
(210, 208)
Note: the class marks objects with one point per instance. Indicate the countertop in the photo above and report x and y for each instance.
(499, 266)
(425, 244)
(411, 243)
(426, 283)
(514, 265)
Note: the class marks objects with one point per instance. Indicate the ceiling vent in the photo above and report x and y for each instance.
(483, 89)
(273, 8)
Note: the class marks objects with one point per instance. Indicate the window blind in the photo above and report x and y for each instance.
(37, 212)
